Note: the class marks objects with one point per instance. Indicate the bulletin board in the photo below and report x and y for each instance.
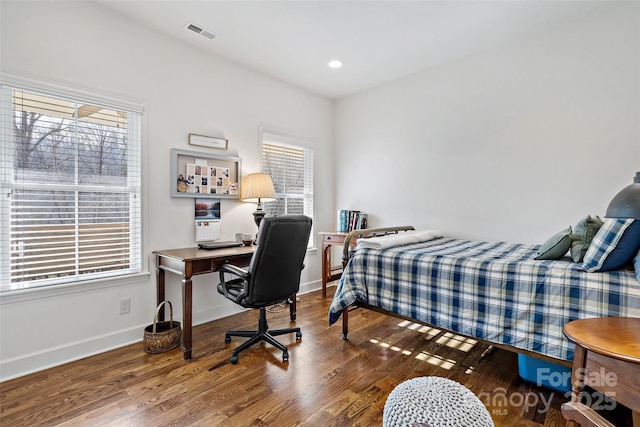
(197, 175)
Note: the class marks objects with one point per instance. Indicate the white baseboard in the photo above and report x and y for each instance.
(54, 356)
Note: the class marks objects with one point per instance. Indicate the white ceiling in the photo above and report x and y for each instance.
(378, 41)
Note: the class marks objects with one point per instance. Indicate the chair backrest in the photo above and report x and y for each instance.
(278, 260)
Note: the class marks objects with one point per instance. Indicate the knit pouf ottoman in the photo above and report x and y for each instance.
(434, 402)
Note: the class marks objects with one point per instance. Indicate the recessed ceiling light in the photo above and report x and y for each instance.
(335, 64)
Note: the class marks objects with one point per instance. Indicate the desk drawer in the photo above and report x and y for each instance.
(200, 266)
(242, 260)
(333, 238)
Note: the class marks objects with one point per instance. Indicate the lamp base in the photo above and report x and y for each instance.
(258, 215)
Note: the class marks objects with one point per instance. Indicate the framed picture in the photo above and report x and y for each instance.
(208, 141)
(204, 175)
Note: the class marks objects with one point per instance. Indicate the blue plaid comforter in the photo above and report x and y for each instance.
(494, 291)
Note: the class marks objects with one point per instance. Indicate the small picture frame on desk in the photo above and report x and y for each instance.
(208, 141)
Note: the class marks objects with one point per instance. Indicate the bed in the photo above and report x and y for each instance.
(492, 291)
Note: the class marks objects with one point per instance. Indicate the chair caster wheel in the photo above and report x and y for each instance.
(285, 356)
(234, 360)
(227, 339)
(298, 335)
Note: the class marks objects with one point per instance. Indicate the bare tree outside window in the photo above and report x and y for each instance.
(71, 201)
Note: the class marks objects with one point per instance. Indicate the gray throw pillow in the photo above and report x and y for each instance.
(583, 233)
(556, 246)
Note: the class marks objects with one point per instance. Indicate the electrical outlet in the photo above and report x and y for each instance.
(125, 305)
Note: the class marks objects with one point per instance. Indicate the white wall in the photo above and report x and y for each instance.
(185, 90)
(514, 143)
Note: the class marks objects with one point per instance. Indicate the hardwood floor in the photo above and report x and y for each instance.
(327, 381)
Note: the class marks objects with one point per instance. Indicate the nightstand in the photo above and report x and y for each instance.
(607, 359)
(328, 272)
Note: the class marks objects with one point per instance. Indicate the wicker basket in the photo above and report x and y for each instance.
(162, 336)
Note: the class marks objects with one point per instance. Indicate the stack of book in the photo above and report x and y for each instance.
(349, 220)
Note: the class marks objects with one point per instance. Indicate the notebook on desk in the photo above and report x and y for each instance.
(219, 244)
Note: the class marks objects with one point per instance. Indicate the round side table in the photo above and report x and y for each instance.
(607, 359)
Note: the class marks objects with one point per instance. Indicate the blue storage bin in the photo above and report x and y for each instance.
(543, 373)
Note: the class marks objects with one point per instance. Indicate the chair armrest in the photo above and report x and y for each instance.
(233, 269)
(242, 274)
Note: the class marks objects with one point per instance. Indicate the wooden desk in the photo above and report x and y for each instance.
(607, 359)
(328, 274)
(190, 262)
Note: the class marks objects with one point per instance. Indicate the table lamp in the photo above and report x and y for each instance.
(258, 187)
(626, 204)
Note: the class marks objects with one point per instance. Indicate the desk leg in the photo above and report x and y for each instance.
(186, 318)
(326, 267)
(159, 289)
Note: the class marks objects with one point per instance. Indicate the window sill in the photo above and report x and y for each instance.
(28, 294)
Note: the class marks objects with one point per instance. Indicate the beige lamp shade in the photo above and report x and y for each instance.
(257, 187)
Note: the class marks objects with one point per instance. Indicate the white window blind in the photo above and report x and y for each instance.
(290, 165)
(70, 175)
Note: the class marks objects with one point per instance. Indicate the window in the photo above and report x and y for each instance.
(70, 202)
(290, 164)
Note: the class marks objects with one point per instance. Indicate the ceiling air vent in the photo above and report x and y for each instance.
(199, 30)
(207, 34)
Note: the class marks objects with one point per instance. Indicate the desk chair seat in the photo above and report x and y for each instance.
(273, 277)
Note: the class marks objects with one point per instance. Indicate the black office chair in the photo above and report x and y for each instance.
(273, 277)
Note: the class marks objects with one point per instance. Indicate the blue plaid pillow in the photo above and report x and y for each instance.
(636, 264)
(614, 246)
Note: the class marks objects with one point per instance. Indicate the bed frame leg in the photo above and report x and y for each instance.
(345, 324)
